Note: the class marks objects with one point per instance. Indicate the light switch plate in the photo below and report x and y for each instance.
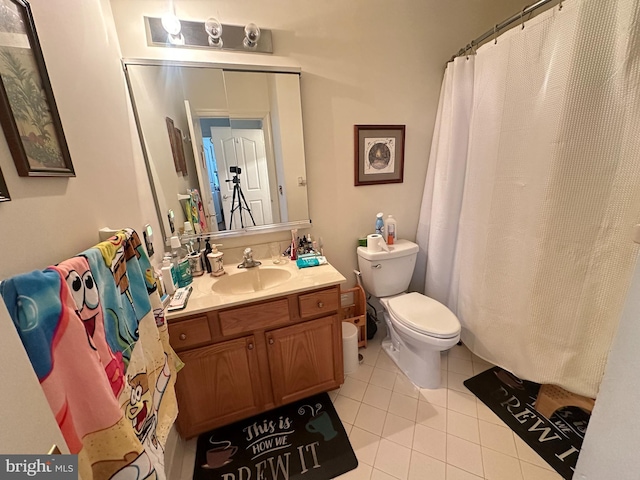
(147, 233)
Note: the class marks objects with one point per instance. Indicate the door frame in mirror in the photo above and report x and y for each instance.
(251, 230)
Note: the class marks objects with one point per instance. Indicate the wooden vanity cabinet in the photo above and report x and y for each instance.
(218, 383)
(301, 359)
(248, 359)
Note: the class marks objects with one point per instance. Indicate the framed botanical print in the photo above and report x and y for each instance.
(379, 154)
(28, 112)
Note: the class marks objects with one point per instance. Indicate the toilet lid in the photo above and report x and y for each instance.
(424, 315)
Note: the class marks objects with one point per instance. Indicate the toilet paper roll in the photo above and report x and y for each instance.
(376, 243)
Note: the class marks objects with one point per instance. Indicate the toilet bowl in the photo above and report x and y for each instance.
(418, 327)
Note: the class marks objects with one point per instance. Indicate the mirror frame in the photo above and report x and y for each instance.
(255, 230)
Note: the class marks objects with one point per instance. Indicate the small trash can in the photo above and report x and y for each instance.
(349, 347)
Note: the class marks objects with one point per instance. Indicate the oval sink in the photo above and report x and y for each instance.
(252, 280)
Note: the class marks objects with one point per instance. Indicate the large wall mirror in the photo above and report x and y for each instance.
(224, 147)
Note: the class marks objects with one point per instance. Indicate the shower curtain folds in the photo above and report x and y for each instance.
(529, 205)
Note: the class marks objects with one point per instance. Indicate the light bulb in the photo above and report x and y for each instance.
(171, 23)
(214, 30)
(251, 35)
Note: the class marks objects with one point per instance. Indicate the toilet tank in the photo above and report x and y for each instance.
(388, 273)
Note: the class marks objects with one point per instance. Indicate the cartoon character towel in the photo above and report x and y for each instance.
(93, 328)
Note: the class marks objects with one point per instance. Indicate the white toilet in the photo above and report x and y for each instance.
(419, 327)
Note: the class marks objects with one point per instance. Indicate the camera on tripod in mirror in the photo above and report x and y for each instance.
(236, 171)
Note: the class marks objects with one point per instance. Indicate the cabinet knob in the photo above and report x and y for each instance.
(183, 336)
(271, 341)
(250, 346)
(320, 304)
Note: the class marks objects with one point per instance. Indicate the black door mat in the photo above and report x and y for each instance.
(557, 440)
(302, 440)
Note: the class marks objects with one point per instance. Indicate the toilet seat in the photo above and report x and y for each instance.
(424, 315)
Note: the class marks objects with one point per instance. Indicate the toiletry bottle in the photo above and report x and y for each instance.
(294, 247)
(390, 227)
(184, 273)
(215, 257)
(157, 276)
(175, 251)
(379, 223)
(167, 276)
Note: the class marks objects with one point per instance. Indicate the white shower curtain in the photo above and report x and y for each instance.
(527, 231)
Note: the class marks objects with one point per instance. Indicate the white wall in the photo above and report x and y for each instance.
(363, 62)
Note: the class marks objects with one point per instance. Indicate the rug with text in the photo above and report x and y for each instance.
(302, 440)
(557, 439)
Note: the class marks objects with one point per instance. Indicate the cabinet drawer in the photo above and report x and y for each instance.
(317, 303)
(189, 333)
(255, 317)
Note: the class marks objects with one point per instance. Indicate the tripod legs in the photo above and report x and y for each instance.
(241, 205)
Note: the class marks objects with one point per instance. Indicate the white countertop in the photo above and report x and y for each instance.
(204, 299)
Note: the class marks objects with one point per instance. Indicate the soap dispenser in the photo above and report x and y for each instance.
(215, 258)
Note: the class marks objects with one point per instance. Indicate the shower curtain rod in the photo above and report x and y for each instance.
(501, 26)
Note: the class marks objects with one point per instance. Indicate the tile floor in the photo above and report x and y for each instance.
(399, 431)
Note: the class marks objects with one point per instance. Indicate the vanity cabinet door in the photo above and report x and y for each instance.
(219, 384)
(305, 359)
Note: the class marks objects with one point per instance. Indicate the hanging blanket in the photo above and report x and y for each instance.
(93, 327)
(198, 217)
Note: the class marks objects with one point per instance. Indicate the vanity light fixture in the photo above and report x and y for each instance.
(214, 30)
(169, 31)
(172, 26)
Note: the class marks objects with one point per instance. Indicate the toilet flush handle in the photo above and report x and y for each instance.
(377, 265)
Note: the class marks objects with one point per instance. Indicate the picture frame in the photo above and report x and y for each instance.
(171, 132)
(4, 191)
(28, 112)
(177, 147)
(180, 147)
(379, 154)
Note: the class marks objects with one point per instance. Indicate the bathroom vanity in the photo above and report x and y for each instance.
(256, 339)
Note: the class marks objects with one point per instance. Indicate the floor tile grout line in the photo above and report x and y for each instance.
(484, 473)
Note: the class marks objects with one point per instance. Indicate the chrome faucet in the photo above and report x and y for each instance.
(247, 259)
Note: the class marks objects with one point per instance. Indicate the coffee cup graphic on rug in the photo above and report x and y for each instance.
(220, 454)
(321, 424)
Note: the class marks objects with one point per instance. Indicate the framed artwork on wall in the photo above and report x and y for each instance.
(180, 146)
(379, 154)
(177, 148)
(28, 111)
